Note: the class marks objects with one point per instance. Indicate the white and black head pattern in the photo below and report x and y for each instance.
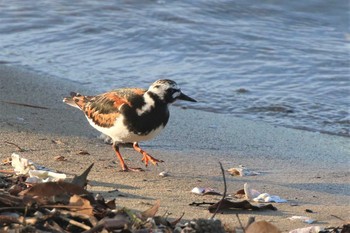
(168, 91)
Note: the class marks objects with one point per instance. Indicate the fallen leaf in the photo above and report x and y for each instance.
(81, 180)
(262, 227)
(57, 142)
(60, 158)
(111, 204)
(82, 152)
(151, 211)
(6, 161)
(84, 205)
(52, 189)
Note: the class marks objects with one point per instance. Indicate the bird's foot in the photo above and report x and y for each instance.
(146, 158)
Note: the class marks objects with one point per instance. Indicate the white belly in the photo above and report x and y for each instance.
(119, 132)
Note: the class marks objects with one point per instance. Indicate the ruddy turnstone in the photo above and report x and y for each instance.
(130, 115)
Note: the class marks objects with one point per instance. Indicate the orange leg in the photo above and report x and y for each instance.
(146, 157)
(125, 168)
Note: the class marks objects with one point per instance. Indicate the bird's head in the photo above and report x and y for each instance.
(168, 91)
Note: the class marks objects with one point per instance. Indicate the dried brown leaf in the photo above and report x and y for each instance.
(57, 142)
(84, 205)
(151, 212)
(81, 180)
(262, 227)
(111, 204)
(6, 161)
(53, 189)
(60, 158)
(82, 152)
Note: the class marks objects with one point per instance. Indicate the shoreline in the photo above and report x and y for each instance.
(306, 168)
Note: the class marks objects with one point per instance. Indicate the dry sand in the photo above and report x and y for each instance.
(308, 169)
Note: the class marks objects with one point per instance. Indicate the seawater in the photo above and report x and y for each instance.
(284, 62)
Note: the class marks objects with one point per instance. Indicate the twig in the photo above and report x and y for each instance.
(75, 223)
(9, 171)
(20, 149)
(225, 190)
(335, 216)
(24, 105)
(240, 223)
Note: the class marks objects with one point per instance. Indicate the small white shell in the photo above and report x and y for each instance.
(164, 174)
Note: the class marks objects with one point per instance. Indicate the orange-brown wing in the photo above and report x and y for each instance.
(104, 109)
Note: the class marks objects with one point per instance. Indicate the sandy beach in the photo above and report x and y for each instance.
(310, 170)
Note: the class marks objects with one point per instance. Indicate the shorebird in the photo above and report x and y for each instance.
(130, 115)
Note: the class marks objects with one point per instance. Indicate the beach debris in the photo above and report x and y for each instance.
(201, 225)
(81, 180)
(304, 219)
(57, 142)
(22, 165)
(66, 207)
(60, 158)
(242, 171)
(19, 149)
(40, 176)
(312, 229)
(6, 161)
(205, 191)
(36, 173)
(225, 204)
(254, 195)
(244, 205)
(309, 211)
(83, 152)
(164, 174)
(262, 227)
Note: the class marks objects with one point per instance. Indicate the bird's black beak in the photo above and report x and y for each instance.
(182, 96)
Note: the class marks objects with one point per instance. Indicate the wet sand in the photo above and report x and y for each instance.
(308, 169)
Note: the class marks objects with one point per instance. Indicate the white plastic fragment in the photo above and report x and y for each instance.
(164, 174)
(312, 229)
(197, 190)
(21, 165)
(265, 197)
(37, 173)
(204, 191)
(254, 195)
(303, 219)
(250, 193)
(242, 171)
(45, 176)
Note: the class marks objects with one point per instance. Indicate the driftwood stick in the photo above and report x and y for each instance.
(225, 191)
(20, 149)
(75, 223)
(240, 223)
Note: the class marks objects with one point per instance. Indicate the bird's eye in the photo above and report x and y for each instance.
(156, 86)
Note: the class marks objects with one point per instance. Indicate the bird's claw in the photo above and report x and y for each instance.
(146, 158)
